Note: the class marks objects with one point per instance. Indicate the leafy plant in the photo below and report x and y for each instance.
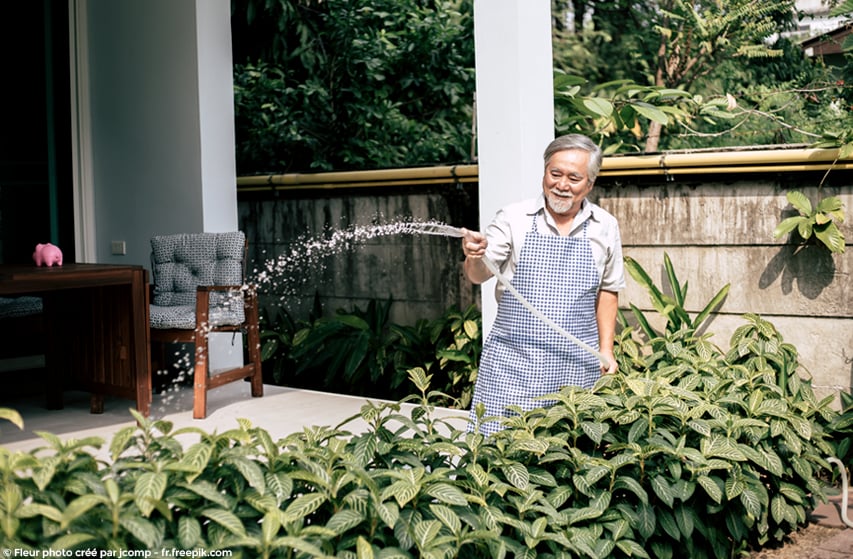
(820, 221)
(352, 350)
(277, 330)
(338, 85)
(448, 349)
(671, 307)
(685, 456)
(360, 352)
(12, 416)
(617, 106)
(841, 428)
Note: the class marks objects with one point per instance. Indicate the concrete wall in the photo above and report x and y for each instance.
(422, 274)
(718, 231)
(715, 230)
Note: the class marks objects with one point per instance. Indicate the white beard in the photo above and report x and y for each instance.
(560, 204)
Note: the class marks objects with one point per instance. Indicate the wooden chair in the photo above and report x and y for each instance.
(199, 288)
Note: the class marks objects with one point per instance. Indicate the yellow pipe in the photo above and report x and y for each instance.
(726, 170)
(719, 159)
(377, 177)
(703, 162)
(247, 187)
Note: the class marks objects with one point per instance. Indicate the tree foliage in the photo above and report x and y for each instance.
(744, 89)
(342, 84)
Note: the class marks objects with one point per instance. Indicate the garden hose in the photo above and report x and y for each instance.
(432, 228)
(844, 490)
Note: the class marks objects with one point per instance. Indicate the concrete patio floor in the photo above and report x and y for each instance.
(281, 411)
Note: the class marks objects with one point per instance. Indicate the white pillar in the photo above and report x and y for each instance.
(515, 106)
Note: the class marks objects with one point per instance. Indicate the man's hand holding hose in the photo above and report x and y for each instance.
(474, 246)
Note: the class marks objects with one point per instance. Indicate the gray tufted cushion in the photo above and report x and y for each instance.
(181, 263)
(14, 307)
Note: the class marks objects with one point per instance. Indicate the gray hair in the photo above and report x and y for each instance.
(581, 142)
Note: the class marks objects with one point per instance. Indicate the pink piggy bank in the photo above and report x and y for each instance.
(47, 254)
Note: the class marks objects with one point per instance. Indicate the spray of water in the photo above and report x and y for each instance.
(311, 252)
(284, 274)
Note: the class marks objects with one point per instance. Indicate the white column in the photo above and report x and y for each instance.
(515, 106)
(216, 115)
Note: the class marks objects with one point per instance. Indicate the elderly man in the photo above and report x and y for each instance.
(563, 254)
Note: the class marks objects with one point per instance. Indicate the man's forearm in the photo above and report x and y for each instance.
(475, 270)
(606, 309)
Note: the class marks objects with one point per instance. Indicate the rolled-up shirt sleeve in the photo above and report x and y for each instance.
(613, 274)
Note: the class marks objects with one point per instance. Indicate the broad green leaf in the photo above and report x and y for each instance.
(800, 202)
(594, 430)
(829, 204)
(632, 548)
(787, 225)
(425, 532)
(12, 416)
(663, 490)
(711, 487)
(447, 517)
(402, 491)
(303, 505)
(149, 489)
(832, 237)
(79, 507)
(363, 549)
(646, 520)
(669, 524)
(291, 543)
(189, 532)
(478, 474)
(389, 513)
(226, 519)
(71, 541)
(650, 112)
(344, 520)
(279, 484)
(805, 228)
(447, 494)
(472, 329)
(209, 491)
(142, 529)
(517, 475)
(599, 106)
(751, 502)
(684, 517)
(632, 485)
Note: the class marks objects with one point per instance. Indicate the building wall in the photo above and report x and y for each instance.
(715, 230)
(158, 108)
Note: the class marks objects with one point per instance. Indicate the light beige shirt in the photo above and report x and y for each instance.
(506, 237)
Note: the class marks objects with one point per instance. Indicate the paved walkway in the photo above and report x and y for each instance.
(839, 546)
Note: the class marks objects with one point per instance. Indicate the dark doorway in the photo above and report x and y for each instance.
(36, 189)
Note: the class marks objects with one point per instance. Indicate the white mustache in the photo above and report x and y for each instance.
(561, 194)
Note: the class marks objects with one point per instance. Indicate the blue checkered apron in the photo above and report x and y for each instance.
(523, 358)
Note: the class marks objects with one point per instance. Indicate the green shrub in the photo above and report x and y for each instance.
(841, 428)
(359, 351)
(687, 457)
